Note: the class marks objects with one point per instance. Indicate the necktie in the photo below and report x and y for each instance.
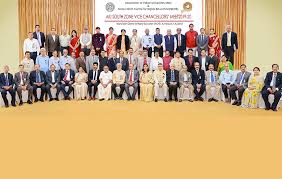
(179, 41)
(21, 76)
(145, 61)
(66, 74)
(212, 77)
(37, 78)
(202, 37)
(274, 80)
(130, 59)
(130, 76)
(241, 78)
(190, 60)
(94, 78)
(39, 39)
(7, 80)
(172, 76)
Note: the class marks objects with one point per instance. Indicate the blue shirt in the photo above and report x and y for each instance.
(43, 62)
(55, 61)
(147, 41)
(227, 77)
(69, 60)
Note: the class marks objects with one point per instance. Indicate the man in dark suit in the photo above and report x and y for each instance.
(67, 79)
(37, 80)
(22, 83)
(93, 80)
(272, 85)
(98, 41)
(40, 36)
(190, 59)
(202, 41)
(181, 42)
(131, 80)
(53, 82)
(229, 43)
(172, 80)
(6, 85)
(205, 60)
(214, 58)
(198, 81)
(124, 61)
(103, 60)
(112, 63)
(52, 42)
(123, 39)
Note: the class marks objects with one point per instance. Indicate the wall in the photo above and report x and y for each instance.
(9, 30)
(263, 33)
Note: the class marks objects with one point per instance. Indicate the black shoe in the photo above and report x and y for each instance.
(51, 99)
(133, 99)
(170, 99)
(42, 100)
(176, 99)
(267, 108)
(6, 105)
(36, 100)
(29, 102)
(215, 100)
(235, 102)
(165, 100)
(57, 99)
(102, 99)
(210, 100)
(201, 99)
(275, 110)
(196, 99)
(14, 105)
(238, 104)
(68, 98)
(180, 100)
(21, 103)
(156, 100)
(120, 98)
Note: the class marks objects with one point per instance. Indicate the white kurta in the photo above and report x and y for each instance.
(105, 93)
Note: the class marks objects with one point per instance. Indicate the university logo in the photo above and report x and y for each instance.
(187, 7)
(110, 7)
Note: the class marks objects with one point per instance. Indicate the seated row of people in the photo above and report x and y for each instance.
(148, 83)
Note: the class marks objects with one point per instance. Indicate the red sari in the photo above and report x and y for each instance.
(111, 44)
(214, 42)
(74, 41)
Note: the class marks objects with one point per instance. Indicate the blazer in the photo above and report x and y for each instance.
(98, 40)
(208, 76)
(42, 38)
(79, 62)
(214, 61)
(268, 80)
(187, 63)
(90, 76)
(198, 78)
(133, 59)
(32, 77)
(89, 62)
(245, 79)
(181, 78)
(182, 47)
(17, 79)
(202, 44)
(234, 40)
(52, 45)
(127, 42)
(3, 80)
(124, 63)
(168, 76)
(102, 62)
(140, 63)
(135, 75)
(112, 64)
(208, 61)
(63, 73)
(49, 77)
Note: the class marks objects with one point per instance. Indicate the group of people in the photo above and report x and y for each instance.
(191, 64)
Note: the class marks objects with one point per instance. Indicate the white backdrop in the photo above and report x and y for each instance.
(141, 14)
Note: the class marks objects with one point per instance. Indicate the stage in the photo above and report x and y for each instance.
(138, 140)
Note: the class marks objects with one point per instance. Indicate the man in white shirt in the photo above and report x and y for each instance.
(31, 45)
(131, 58)
(118, 81)
(135, 42)
(85, 41)
(160, 82)
(65, 58)
(27, 62)
(155, 61)
(91, 59)
(64, 41)
(104, 88)
(148, 42)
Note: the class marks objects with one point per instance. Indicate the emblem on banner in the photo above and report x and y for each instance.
(110, 7)
(187, 7)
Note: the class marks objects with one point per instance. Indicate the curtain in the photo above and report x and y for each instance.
(61, 14)
(219, 13)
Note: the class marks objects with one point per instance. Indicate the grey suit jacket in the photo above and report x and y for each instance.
(49, 77)
(136, 76)
(202, 43)
(17, 79)
(133, 60)
(140, 63)
(52, 45)
(208, 76)
(245, 79)
(89, 62)
(181, 78)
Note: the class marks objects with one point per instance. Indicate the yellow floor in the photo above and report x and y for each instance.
(138, 140)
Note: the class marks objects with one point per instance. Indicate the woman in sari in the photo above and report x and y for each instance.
(111, 40)
(214, 42)
(251, 94)
(146, 84)
(74, 44)
(80, 85)
(223, 61)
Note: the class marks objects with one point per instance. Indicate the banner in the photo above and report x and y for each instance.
(142, 14)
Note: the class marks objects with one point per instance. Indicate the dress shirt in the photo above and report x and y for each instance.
(64, 40)
(85, 39)
(28, 64)
(147, 41)
(227, 77)
(39, 38)
(273, 80)
(43, 61)
(178, 63)
(31, 45)
(106, 77)
(55, 61)
(228, 39)
(155, 62)
(159, 76)
(185, 77)
(69, 60)
(95, 75)
(67, 76)
(203, 63)
(53, 76)
(119, 76)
